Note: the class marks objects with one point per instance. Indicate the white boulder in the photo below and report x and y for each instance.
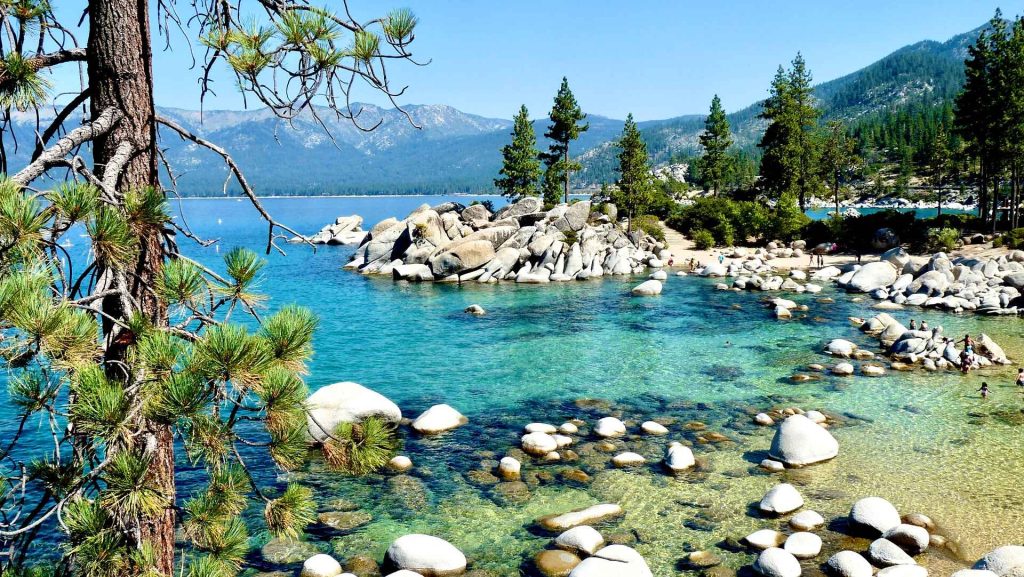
(874, 515)
(775, 562)
(781, 499)
(609, 427)
(582, 540)
(438, 419)
(321, 565)
(648, 288)
(346, 402)
(427, 555)
(799, 441)
(679, 457)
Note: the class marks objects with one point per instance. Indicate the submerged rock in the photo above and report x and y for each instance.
(679, 457)
(849, 564)
(555, 563)
(781, 499)
(775, 562)
(287, 551)
(438, 419)
(613, 561)
(582, 540)
(587, 516)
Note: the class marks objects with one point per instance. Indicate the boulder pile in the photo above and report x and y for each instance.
(989, 286)
(346, 230)
(929, 347)
(521, 242)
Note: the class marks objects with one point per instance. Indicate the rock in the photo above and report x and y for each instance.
(287, 551)
(321, 565)
(659, 275)
(628, 459)
(1006, 561)
(344, 520)
(920, 520)
(842, 369)
(476, 310)
(806, 520)
(781, 499)
(438, 419)
(840, 348)
(701, 560)
(803, 545)
(652, 428)
(509, 468)
(849, 564)
(582, 540)
(764, 420)
(427, 555)
(772, 465)
(775, 562)
(872, 370)
(990, 349)
(609, 427)
(568, 429)
(885, 553)
(556, 563)
(765, 539)
(541, 428)
(648, 288)
(346, 402)
(522, 207)
(613, 561)
(799, 441)
(874, 515)
(476, 212)
(911, 538)
(871, 276)
(679, 457)
(587, 516)
(816, 416)
(400, 463)
(538, 444)
(903, 571)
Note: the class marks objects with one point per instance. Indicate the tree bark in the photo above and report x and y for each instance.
(121, 77)
(566, 173)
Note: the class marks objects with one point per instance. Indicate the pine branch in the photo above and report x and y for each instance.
(55, 155)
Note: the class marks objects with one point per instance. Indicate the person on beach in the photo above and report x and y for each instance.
(1020, 378)
(984, 390)
(721, 258)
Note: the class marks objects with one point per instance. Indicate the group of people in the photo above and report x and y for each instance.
(968, 358)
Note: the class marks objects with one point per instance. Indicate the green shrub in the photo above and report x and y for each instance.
(702, 239)
(943, 239)
(724, 233)
(789, 221)
(361, 448)
(1012, 239)
(570, 237)
(648, 223)
(997, 242)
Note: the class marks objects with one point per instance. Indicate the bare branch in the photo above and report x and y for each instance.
(54, 155)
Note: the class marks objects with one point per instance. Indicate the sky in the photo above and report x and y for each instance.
(654, 59)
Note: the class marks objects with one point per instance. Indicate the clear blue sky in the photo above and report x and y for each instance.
(656, 59)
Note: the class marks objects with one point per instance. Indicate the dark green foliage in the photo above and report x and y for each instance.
(731, 221)
(715, 164)
(702, 239)
(521, 166)
(837, 160)
(360, 448)
(648, 223)
(635, 186)
(1012, 239)
(943, 239)
(565, 127)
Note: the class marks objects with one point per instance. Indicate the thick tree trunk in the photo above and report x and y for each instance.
(995, 203)
(983, 195)
(121, 76)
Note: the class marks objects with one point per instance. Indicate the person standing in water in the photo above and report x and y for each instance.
(913, 325)
(984, 390)
(1020, 378)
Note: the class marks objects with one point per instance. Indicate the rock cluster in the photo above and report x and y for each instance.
(521, 242)
(989, 286)
(346, 230)
(930, 348)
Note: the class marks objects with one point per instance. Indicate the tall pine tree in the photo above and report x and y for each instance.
(635, 183)
(521, 168)
(716, 140)
(565, 127)
(837, 158)
(789, 163)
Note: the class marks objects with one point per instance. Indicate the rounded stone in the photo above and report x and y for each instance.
(609, 427)
(628, 459)
(885, 553)
(765, 538)
(800, 441)
(806, 520)
(538, 444)
(400, 463)
(874, 515)
(321, 565)
(541, 428)
(849, 564)
(775, 562)
(581, 540)
(653, 428)
(911, 538)
(556, 563)
(803, 545)
(427, 555)
(781, 499)
(1006, 561)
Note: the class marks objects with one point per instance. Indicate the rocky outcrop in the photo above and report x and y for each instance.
(800, 441)
(346, 230)
(520, 242)
(930, 348)
(989, 286)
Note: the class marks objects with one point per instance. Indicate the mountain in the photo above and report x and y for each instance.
(923, 74)
(453, 151)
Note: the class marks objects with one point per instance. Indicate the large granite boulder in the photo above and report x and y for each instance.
(871, 276)
(345, 402)
(800, 441)
(613, 561)
(427, 555)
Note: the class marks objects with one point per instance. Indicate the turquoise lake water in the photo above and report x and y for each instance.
(693, 354)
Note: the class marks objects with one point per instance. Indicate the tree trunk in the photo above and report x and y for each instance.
(938, 197)
(566, 173)
(995, 202)
(983, 194)
(120, 75)
(835, 193)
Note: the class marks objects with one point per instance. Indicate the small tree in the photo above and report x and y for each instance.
(940, 162)
(716, 140)
(635, 183)
(837, 159)
(565, 127)
(520, 167)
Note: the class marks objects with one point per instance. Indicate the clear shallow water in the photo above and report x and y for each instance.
(924, 441)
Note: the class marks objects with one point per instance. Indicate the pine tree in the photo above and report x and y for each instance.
(789, 163)
(565, 127)
(635, 183)
(940, 163)
(521, 166)
(716, 139)
(837, 158)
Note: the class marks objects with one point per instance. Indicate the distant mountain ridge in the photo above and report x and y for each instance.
(455, 151)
